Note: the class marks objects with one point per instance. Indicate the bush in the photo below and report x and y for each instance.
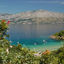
(3, 29)
(19, 55)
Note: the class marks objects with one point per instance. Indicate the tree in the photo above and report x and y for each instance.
(3, 29)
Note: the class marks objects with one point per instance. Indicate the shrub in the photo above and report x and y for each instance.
(3, 29)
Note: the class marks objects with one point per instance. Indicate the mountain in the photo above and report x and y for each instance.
(36, 16)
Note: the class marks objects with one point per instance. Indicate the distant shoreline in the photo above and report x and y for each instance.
(53, 37)
(58, 35)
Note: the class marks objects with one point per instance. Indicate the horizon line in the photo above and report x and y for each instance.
(32, 11)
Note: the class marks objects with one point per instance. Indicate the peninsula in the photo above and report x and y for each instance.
(58, 35)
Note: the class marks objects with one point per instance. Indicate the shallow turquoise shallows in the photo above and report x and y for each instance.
(35, 36)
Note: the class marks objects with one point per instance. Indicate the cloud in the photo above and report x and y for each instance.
(62, 3)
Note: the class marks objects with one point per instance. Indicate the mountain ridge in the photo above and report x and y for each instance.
(36, 16)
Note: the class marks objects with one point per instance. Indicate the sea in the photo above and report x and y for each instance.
(35, 36)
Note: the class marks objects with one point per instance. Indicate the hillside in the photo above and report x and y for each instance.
(37, 16)
(58, 35)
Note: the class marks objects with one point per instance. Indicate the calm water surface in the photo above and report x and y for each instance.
(35, 37)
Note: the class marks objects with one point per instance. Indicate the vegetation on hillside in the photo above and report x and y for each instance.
(59, 35)
(18, 55)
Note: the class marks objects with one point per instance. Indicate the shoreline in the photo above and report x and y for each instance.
(53, 37)
(57, 37)
(44, 48)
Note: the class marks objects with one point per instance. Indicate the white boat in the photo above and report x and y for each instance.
(35, 43)
(44, 41)
(24, 23)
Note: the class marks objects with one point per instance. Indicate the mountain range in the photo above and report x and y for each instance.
(36, 16)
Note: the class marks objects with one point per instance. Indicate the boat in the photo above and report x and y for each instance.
(44, 41)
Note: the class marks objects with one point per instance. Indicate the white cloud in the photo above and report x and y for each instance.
(62, 3)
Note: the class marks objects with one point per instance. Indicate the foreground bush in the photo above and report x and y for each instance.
(3, 29)
(56, 57)
(16, 54)
(19, 55)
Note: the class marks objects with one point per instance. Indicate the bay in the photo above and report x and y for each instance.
(35, 36)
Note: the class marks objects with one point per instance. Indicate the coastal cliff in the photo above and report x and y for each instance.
(58, 36)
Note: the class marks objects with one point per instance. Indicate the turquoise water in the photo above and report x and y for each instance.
(35, 37)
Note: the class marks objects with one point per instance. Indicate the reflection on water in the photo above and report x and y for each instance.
(34, 35)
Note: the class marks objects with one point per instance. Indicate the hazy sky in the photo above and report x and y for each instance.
(16, 6)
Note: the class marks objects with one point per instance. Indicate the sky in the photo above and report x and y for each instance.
(17, 6)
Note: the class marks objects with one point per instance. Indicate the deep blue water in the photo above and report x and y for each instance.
(35, 36)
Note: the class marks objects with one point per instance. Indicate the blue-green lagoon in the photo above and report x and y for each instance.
(35, 36)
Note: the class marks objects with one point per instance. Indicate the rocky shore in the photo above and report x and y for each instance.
(57, 37)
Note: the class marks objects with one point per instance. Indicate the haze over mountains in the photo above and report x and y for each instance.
(36, 16)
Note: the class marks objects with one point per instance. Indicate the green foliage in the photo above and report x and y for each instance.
(59, 35)
(3, 29)
(19, 55)
(56, 57)
(49, 59)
